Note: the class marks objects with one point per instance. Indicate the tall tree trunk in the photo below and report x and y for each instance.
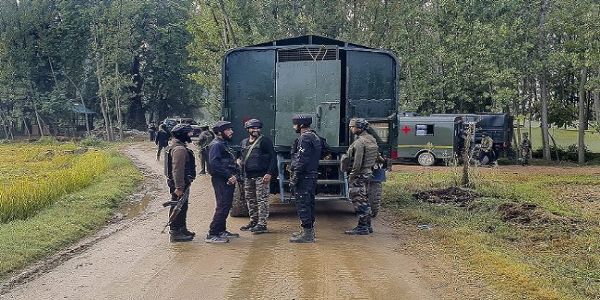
(78, 94)
(103, 107)
(544, 95)
(596, 96)
(117, 96)
(582, 117)
(136, 117)
(544, 117)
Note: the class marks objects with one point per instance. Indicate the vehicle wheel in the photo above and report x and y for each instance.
(375, 191)
(426, 159)
(239, 207)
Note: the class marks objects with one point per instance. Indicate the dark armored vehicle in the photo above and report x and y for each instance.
(332, 80)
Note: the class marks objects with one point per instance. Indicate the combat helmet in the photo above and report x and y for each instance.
(359, 123)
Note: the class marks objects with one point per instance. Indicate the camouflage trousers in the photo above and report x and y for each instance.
(359, 196)
(257, 198)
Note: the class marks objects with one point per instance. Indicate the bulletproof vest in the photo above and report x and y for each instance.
(190, 165)
(371, 151)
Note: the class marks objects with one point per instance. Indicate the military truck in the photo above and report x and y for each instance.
(499, 126)
(330, 79)
(429, 138)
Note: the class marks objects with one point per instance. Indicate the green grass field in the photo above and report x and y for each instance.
(71, 207)
(565, 137)
(550, 252)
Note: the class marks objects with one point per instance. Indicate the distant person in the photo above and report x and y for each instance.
(206, 136)
(525, 150)
(223, 170)
(180, 169)
(486, 150)
(359, 161)
(258, 163)
(162, 139)
(305, 153)
(152, 131)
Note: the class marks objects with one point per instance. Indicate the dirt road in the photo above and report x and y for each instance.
(138, 262)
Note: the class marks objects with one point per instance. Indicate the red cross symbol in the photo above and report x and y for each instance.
(406, 129)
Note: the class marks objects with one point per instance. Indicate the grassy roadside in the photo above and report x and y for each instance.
(555, 254)
(68, 219)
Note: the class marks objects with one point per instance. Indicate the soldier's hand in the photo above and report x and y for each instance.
(267, 178)
(239, 162)
(232, 180)
(179, 192)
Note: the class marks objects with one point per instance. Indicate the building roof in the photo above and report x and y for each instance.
(80, 109)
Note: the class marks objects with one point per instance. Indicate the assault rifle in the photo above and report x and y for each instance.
(178, 205)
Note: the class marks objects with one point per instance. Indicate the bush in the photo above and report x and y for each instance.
(91, 141)
(565, 154)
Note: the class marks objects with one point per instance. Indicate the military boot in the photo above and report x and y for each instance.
(258, 229)
(306, 235)
(369, 227)
(179, 235)
(186, 231)
(358, 230)
(248, 226)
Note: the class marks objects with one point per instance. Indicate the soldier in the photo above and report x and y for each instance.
(487, 148)
(525, 150)
(360, 159)
(152, 131)
(206, 136)
(180, 168)
(305, 153)
(223, 171)
(258, 163)
(162, 139)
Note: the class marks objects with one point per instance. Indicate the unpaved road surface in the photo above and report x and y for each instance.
(138, 262)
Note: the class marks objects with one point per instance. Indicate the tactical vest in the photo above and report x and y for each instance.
(370, 154)
(190, 165)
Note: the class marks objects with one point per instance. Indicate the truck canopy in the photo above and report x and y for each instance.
(330, 79)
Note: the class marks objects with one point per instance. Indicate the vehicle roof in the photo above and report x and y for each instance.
(429, 118)
(310, 39)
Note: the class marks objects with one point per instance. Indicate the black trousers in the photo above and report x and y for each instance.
(160, 149)
(180, 220)
(306, 188)
(203, 159)
(224, 197)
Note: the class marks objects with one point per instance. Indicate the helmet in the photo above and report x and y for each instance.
(253, 123)
(221, 126)
(302, 119)
(359, 123)
(181, 131)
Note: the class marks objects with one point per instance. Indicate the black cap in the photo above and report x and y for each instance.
(221, 126)
(302, 119)
(253, 123)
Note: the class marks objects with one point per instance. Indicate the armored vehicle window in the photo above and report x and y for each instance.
(424, 129)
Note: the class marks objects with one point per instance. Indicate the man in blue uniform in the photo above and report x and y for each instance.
(223, 169)
(306, 152)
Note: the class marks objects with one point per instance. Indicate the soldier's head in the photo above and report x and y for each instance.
(162, 126)
(524, 135)
(358, 125)
(183, 132)
(223, 129)
(254, 127)
(301, 121)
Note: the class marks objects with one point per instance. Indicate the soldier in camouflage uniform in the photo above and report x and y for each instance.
(258, 163)
(359, 161)
(487, 149)
(525, 150)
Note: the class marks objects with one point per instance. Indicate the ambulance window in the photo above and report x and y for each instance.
(424, 129)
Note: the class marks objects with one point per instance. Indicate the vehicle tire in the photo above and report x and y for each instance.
(239, 208)
(426, 159)
(375, 191)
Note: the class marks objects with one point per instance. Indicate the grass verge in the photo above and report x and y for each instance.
(556, 258)
(68, 219)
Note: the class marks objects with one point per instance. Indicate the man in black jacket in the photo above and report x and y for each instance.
(306, 152)
(223, 171)
(162, 139)
(258, 163)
